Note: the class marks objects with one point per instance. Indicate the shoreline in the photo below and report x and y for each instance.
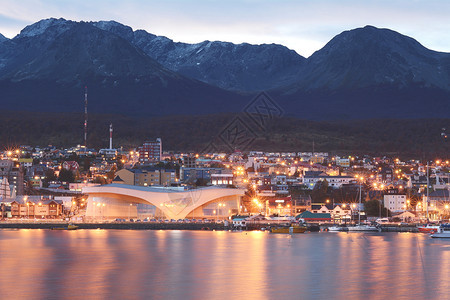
(163, 226)
(124, 226)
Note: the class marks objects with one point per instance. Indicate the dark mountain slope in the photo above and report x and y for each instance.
(48, 68)
(236, 67)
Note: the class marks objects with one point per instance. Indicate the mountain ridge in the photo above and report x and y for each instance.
(361, 73)
(189, 59)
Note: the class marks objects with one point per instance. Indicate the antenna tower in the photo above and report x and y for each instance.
(85, 116)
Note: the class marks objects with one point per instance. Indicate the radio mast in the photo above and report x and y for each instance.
(110, 136)
(85, 117)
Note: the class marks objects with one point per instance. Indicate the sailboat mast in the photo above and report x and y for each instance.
(359, 208)
(428, 184)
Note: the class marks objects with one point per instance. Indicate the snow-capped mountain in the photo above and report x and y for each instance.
(370, 56)
(241, 67)
(362, 73)
(48, 64)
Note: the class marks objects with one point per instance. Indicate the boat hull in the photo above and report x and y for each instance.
(428, 229)
(70, 227)
(442, 232)
(441, 235)
(357, 228)
(288, 230)
(337, 229)
(364, 228)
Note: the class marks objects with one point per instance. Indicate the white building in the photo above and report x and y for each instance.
(342, 162)
(395, 203)
(333, 181)
(222, 179)
(113, 201)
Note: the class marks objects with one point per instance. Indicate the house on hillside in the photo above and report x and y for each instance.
(71, 166)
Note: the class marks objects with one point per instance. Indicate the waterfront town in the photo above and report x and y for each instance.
(150, 184)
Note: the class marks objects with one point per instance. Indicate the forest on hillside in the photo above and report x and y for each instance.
(408, 137)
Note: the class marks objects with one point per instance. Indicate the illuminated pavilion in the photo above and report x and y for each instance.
(128, 201)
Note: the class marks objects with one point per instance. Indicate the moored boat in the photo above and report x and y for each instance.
(442, 232)
(355, 228)
(288, 229)
(364, 227)
(68, 227)
(429, 228)
(337, 228)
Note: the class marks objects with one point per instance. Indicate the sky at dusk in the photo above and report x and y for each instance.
(304, 26)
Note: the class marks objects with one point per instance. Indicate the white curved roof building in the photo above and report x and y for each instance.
(123, 201)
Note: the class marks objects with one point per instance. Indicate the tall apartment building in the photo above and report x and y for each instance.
(150, 152)
(189, 161)
(14, 173)
(395, 202)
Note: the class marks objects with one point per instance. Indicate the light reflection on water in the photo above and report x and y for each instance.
(114, 264)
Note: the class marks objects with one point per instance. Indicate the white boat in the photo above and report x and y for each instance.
(363, 227)
(442, 232)
(337, 228)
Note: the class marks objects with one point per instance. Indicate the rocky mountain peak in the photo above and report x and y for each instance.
(38, 28)
(371, 56)
(117, 28)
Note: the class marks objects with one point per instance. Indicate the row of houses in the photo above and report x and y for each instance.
(40, 207)
(37, 209)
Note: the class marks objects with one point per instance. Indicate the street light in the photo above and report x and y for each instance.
(353, 206)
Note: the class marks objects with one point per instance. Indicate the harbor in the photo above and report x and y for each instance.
(212, 225)
(221, 264)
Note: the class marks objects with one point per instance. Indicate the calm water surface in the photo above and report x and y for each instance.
(120, 264)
